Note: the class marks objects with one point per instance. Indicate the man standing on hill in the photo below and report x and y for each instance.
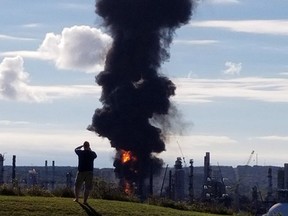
(85, 170)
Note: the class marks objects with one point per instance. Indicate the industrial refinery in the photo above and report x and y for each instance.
(245, 187)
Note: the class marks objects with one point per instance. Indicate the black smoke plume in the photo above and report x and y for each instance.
(133, 90)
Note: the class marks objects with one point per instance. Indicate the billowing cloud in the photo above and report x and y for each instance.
(14, 85)
(14, 80)
(77, 48)
(272, 27)
(232, 68)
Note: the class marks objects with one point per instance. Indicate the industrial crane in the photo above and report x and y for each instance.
(250, 158)
(239, 181)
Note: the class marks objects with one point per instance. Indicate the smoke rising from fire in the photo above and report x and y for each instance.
(133, 90)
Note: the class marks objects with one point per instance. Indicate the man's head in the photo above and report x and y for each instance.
(86, 145)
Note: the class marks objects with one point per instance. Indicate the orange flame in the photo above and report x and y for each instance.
(127, 156)
(128, 189)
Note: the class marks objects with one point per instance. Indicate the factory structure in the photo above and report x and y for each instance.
(196, 183)
(260, 187)
(249, 190)
(46, 176)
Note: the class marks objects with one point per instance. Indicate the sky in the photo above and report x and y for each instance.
(229, 64)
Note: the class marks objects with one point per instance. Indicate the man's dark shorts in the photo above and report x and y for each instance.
(86, 177)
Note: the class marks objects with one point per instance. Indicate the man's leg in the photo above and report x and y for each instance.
(85, 196)
(77, 187)
(88, 186)
(76, 192)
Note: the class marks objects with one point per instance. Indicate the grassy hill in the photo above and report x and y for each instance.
(55, 206)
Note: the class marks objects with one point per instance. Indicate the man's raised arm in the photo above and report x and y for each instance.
(78, 148)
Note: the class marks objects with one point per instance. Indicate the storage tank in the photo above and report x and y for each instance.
(278, 209)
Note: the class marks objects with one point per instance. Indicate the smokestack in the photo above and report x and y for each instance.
(170, 185)
(207, 176)
(270, 190)
(133, 91)
(1, 169)
(191, 181)
(53, 174)
(286, 176)
(207, 169)
(13, 169)
(46, 175)
(269, 197)
(280, 179)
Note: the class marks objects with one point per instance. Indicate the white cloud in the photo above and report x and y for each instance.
(14, 85)
(75, 6)
(25, 54)
(14, 80)
(222, 1)
(284, 73)
(32, 25)
(202, 140)
(77, 48)
(11, 123)
(68, 91)
(232, 68)
(273, 138)
(8, 37)
(195, 42)
(273, 27)
(249, 88)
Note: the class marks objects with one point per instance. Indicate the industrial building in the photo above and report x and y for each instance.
(263, 186)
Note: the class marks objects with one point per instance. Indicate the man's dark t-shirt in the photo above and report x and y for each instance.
(86, 159)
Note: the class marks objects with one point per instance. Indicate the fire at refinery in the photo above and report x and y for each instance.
(134, 93)
(128, 159)
(127, 156)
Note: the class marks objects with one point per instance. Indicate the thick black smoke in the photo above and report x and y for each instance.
(132, 89)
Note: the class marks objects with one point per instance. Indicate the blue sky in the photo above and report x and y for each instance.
(229, 64)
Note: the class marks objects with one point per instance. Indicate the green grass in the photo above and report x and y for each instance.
(52, 206)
